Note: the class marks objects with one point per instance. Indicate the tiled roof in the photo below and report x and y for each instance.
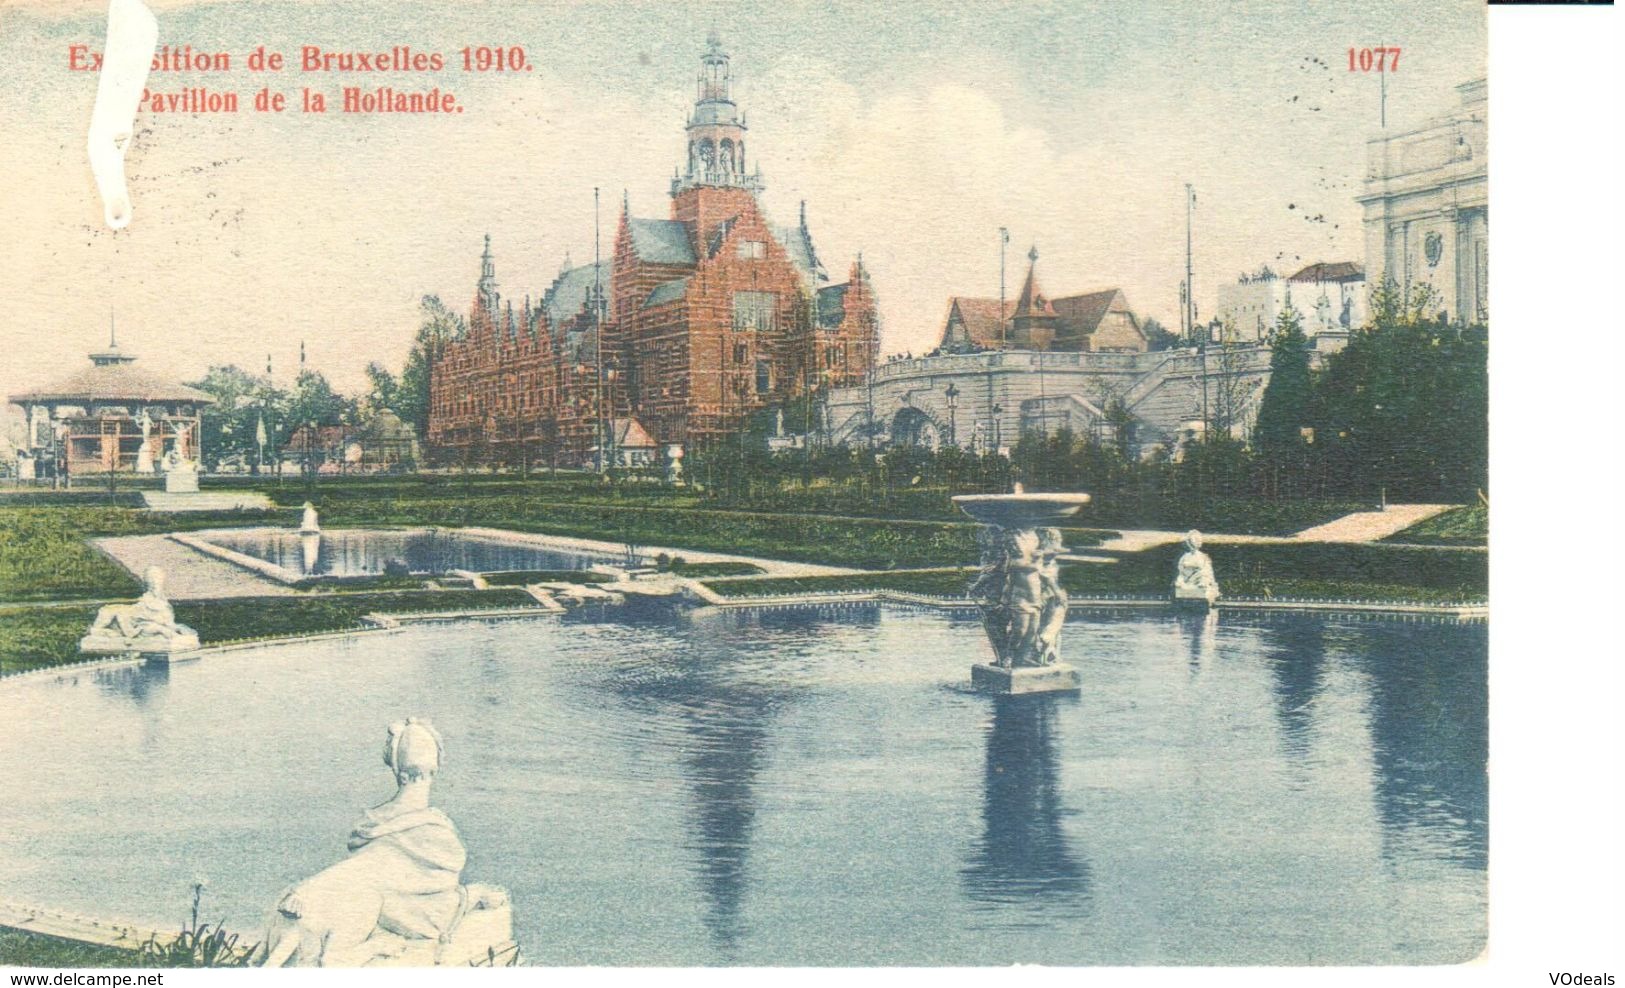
(981, 317)
(666, 292)
(570, 290)
(116, 382)
(661, 241)
(797, 242)
(1081, 314)
(1336, 271)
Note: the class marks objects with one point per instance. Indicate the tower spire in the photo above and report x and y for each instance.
(716, 129)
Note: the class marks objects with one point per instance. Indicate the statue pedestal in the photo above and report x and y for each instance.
(167, 649)
(1059, 677)
(180, 482)
(482, 936)
(1195, 599)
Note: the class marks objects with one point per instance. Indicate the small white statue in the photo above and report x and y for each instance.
(309, 524)
(1194, 579)
(398, 899)
(146, 626)
(674, 463)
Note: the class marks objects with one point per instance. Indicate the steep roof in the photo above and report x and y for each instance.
(797, 242)
(1031, 303)
(570, 290)
(668, 291)
(661, 241)
(117, 380)
(1334, 271)
(629, 434)
(981, 318)
(1081, 314)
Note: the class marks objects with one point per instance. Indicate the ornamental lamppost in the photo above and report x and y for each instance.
(952, 394)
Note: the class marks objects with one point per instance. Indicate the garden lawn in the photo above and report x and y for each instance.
(36, 637)
(1464, 526)
(1319, 571)
(19, 948)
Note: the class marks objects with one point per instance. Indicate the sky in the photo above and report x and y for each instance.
(913, 131)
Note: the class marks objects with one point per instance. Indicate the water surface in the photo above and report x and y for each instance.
(797, 788)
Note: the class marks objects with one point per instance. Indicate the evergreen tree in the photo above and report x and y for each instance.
(1285, 409)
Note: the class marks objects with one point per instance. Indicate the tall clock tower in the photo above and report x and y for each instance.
(713, 184)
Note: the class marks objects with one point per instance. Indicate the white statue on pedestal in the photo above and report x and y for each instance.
(1194, 580)
(143, 457)
(147, 626)
(398, 899)
(308, 521)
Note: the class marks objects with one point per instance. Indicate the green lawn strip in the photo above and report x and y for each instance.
(237, 618)
(699, 571)
(522, 578)
(1465, 526)
(937, 582)
(37, 637)
(1319, 571)
(20, 948)
(1123, 509)
(44, 554)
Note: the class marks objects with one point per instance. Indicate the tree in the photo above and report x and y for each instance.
(1157, 336)
(411, 399)
(231, 424)
(1404, 407)
(383, 390)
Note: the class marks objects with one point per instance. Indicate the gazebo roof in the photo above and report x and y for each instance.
(114, 377)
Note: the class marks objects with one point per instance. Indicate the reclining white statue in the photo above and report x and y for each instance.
(398, 899)
(146, 626)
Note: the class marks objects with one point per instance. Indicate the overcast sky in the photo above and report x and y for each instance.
(913, 130)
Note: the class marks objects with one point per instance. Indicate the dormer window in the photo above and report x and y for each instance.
(752, 250)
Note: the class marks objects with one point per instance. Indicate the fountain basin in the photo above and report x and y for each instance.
(1021, 510)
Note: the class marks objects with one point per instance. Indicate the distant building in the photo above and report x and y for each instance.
(110, 417)
(1098, 322)
(1330, 298)
(696, 321)
(1426, 202)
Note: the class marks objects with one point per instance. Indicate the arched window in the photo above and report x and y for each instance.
(764, 377)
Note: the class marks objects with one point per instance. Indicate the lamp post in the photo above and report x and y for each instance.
(952, 394)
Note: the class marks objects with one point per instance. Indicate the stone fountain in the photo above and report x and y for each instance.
(310, 537)
(1023, 605)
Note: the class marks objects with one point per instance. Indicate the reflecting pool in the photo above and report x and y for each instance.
(805, 788)
(365, 552)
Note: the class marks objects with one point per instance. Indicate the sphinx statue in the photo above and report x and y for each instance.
(146, 627)
(1194, 582)
(399, 898)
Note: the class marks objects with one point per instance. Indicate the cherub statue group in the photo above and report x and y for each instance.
(1023, 605)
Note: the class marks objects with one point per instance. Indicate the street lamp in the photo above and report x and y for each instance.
(952, 394)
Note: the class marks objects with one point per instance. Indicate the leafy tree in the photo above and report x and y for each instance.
(231, 424)
(1157, 336)
(383, 391)
(314, 401)
(411, 393)
(1404, 408)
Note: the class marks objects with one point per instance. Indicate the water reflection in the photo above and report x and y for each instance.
(1430, 739)
(147, 683)
(1023, 856)
(1203, 632)
(1297, 677)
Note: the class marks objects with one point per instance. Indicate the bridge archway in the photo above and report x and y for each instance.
(912, 427)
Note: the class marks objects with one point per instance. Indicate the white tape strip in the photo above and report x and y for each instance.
(132, 36)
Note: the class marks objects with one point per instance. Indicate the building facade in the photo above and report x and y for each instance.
(110, 417)
(1426, 200)
(1099, 322)
(697, 320)
(1330, 299)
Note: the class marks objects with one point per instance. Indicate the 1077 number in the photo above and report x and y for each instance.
(1374, 59)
